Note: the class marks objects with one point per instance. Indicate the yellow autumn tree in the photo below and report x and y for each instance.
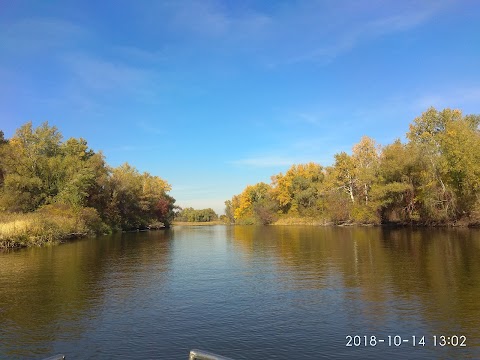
(254, 205)
(298, 189)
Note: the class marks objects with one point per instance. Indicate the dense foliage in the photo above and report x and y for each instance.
(432, 179)
(192, 215)
(40, 173)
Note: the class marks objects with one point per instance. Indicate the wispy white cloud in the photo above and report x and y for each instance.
(207, 19)
(401, 109)
(454, 98)
(396, 112)
(289, 33)
(150, 129)
(138, 55)
(399, 22)
(85, 76)
(471, 95)
(34, 35)
(93, 77)
(201, 18)
(298, 151)
(285, 34)
(99, 74)
(133, 148)
(309, 118)
(305, 151)
(347, 35)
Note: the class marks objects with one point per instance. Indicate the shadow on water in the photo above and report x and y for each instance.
(423, 280)
(246, 292)
(49, 294)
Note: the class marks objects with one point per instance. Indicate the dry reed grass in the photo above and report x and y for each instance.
(38, 228)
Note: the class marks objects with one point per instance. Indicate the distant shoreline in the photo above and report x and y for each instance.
(27, 239)
(193, 223)
(323, 223)
(317, 222)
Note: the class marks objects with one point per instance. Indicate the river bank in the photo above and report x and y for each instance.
(46, 228)
(52, 224)
(36, 232)
(37, 229)
(285, 221)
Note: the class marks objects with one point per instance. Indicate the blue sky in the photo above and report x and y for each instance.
(215, 95)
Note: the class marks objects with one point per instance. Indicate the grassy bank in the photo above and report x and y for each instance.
(51, 224)
(323, 222)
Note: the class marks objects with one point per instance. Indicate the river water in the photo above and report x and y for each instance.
(247, 293)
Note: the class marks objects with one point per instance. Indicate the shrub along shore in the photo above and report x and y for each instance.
(43, 227)
(54, 225)
(433, 179)
(53, 190)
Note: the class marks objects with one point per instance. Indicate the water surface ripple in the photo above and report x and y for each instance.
(244, 292)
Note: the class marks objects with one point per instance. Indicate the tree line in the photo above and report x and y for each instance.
(432, 179)
(39, 172)
(196, 215)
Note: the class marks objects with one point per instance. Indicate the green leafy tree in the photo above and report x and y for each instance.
(76, 173)
(398, 181)
(229, 211)
(31, 168)
(71, 183)
(191, 215)
(138, 199)
(344, 173)
(434, 178)
(366, 160)
(449, 146)
(3, 143)
(461, 152)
